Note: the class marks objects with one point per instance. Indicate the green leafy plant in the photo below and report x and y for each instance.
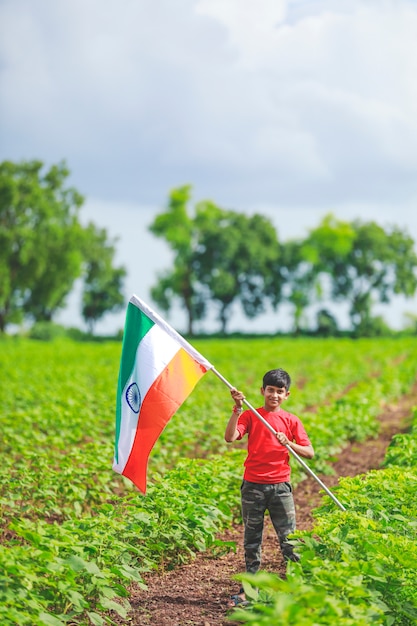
(75, 535)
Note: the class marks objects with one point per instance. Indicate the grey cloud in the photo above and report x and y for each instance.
(139, 97)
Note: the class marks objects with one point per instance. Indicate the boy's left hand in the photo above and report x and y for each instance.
(283, 439)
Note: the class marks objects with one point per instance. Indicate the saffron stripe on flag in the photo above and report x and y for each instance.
(165, 396)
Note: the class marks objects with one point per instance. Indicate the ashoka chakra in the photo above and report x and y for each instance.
(133, 397)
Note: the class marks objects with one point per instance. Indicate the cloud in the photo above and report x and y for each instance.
(339, 100)
(279, 94)
(250, 25)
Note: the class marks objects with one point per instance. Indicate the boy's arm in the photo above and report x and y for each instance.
(306, 451)
(231, 433)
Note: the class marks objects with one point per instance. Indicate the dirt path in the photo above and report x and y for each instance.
(197, 594)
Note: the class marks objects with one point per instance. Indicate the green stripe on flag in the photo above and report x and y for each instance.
(137, 324)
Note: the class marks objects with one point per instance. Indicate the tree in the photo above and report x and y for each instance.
(305, 264)
(177, 227)
(410, 323)
(297, 277)
(40, 240)
(221, 256)
(102, 292)
(42, 243)
(365, 264)
(326, 323)
(234, 260)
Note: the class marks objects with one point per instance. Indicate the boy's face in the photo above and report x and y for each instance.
(273, 397)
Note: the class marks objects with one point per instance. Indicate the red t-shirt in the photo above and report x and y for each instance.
(268, 460)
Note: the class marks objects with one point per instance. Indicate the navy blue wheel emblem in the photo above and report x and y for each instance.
(133, 397)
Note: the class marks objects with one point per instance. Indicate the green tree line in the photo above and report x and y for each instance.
(224, 257)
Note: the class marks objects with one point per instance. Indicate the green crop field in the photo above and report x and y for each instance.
(74, 534)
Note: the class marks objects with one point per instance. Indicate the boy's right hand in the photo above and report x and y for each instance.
(237, 396)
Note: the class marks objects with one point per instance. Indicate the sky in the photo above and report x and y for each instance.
(289, 108)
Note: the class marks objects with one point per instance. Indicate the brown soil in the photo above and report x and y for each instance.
(197, 594)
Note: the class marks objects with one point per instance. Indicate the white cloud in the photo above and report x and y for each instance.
(302, 106)
(250, 24)
(284, 90)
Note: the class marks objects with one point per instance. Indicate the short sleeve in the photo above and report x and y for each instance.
(242, 425)
(299, 433)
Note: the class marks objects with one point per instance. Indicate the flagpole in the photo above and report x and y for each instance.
(293, 452)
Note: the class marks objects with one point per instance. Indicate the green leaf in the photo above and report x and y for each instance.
(95, 618)
(78, 564)
(50, 620)
(110, 605)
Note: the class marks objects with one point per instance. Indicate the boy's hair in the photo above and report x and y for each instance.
(277, 378)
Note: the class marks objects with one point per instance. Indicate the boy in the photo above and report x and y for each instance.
(266, 481)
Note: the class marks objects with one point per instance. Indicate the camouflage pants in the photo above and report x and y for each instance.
(256, 500)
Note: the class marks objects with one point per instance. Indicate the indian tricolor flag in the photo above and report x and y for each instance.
(158, 370)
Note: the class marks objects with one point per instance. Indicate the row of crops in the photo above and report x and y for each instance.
(74, 534)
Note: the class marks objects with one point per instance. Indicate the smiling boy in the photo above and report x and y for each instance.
(266, 482)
